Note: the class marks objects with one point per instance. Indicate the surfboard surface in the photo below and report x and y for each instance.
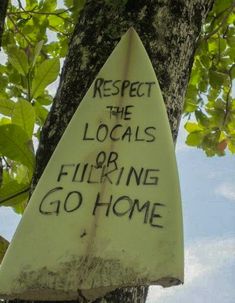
(106, 212)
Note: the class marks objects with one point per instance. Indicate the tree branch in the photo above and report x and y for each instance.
(15, 195)
(8, 166)
(44, 13)
(19, 32)
(30, 43)
(223, 22)
(227, 108)
(20, 5)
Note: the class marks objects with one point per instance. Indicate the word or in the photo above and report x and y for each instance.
(102, 158)
(125, 88)
(119, 132)
(119, 207)
(117, 176)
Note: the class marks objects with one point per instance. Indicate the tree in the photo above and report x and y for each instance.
(170, 32)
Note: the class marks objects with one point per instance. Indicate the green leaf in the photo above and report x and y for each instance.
(54, 20)
(220, 105)
(221, 5)
(231, 53)
(4, 121)
(232, 71)
(217, 79)
(76, 6)
(213, 46)
(189, 107)
(48, 6)
(31, 4)
(196, 73)
(225, 62)
(53, 48)
(3, 84)
(231, 41)
(195, 138)
(205, 60)
(24, 116)
(13, 193)
(192, 127)
(213, 94)
(6, 107)
(68, 3)
(23, 175)
(16, 145)
(46, 73)
(8, 38)
(211, 143)
(64, 46)
(3, 247)
(191, 103)
(203, 85)
(222, 45)
(18, 59)
(37, 51)
(45, 99)
(192, 92)
(41, 113)
(202, 119)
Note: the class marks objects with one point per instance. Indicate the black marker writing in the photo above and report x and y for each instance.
(119, 132)
(126, 206)
(52, 202)
(124, 88)
(109, 173)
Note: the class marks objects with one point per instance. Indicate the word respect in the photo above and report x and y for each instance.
(125, 88)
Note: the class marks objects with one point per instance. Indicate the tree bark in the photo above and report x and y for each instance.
(169, 30)
(3, 11)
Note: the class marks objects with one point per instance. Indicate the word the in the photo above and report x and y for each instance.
(124, 88)
(120, 112)
(119, 132)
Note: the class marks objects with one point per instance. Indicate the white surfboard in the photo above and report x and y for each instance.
(106, 212)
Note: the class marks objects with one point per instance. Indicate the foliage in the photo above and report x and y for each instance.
(34, 42)
(209, 101)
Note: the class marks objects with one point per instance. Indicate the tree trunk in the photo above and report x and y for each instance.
(169, 30)
(3, 11)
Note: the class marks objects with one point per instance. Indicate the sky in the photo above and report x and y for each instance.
(208, 198)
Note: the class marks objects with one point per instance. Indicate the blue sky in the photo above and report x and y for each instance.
(208, 197)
